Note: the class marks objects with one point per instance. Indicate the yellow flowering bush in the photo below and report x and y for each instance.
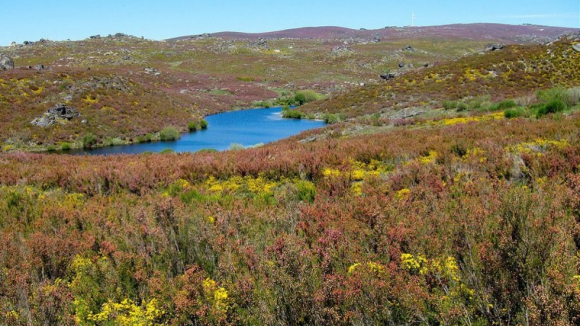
(417, 264)
(216, 295)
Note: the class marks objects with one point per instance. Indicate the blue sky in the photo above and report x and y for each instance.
(32, 20)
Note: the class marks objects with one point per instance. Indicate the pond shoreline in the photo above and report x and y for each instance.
(228, 130)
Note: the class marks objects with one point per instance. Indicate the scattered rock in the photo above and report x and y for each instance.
(39, 67)
(406, 113)
(576, 47)
(493, 47)
(200, 36)
(6, 63)
(60, 113)
(390, 75)
(339, 50)
(409, 48)
(260, 43)
(376, 39)
(426, 64)
(152, 71)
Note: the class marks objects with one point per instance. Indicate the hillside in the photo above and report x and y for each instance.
(515, 71)
(162, 84)
(482, 31)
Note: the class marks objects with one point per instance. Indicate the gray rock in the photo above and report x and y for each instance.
(260, 43)
(390, 75)
(60, 113)
(340, 50)
(576, 47)
(6, 63)
(493, 47)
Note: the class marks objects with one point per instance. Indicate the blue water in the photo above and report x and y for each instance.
(246, 127)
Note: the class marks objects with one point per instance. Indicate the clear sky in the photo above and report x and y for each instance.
(31, 20)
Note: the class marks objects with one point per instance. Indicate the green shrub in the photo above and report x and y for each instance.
(331, 118)
(514, 112)
(292, 114)
(192, 126)
(306, 96)
(141, 139)
(202, 124)
(169, 133)
(208, 150)
(65, 146)
(573, 96)
(548, 95)
(236, 146)
(478, 102)
(553, 106)
(167, 151)
(245, 79)
(89, 140)
(450, 105)
(306, 190)
(503, 105)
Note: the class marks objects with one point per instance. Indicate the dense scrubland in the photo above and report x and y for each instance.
(466, 211)
(463, 223)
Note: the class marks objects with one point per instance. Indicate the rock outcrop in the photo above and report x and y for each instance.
(389, 75)
(493, 47)
(6, 63)
(60, 113)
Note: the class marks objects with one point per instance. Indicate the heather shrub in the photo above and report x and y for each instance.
(169, 133)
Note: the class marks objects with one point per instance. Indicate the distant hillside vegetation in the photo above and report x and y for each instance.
(516, 70)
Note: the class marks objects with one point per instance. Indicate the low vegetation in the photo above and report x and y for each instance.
(450, 195)
(443, 223)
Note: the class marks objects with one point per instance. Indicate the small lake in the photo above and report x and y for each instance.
(245, 127)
